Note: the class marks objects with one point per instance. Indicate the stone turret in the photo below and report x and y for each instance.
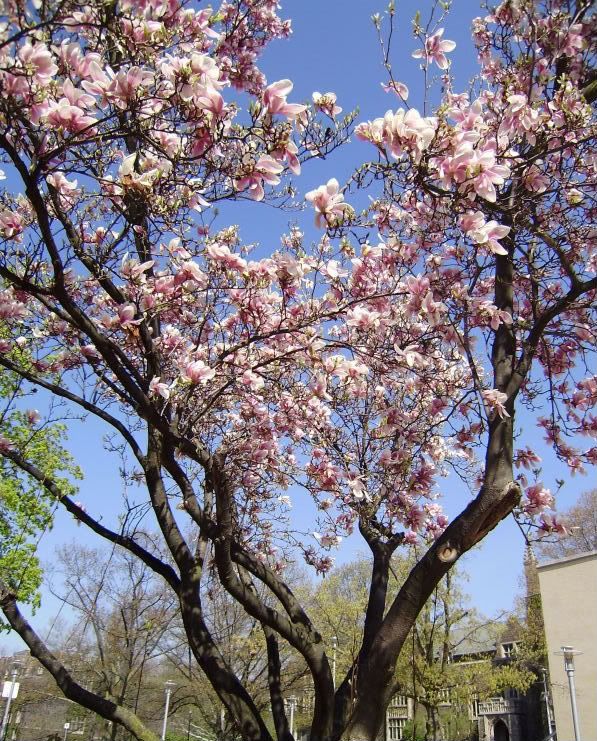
(531, 576)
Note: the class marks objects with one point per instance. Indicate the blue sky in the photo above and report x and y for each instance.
(334, 48)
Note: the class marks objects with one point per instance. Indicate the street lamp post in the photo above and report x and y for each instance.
(168, 687)
(292, 703)
(569, 653)
(16, 665)
(334, 650)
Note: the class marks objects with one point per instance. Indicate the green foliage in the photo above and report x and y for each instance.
(26, 508)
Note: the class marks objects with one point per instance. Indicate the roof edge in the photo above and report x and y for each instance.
(567, 559)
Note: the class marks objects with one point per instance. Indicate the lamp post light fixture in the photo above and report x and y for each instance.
(569, 653)
(14, 673)
(168, 687)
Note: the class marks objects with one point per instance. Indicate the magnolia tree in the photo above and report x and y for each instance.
(349, 375)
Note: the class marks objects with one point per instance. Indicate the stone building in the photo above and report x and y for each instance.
(40, 712)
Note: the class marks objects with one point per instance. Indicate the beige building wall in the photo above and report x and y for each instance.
(569, 597)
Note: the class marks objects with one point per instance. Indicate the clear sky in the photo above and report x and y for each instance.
(333, 48)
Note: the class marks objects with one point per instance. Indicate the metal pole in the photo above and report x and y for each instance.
(168, 688)
(292, 701)
(334, 649)
(6, 716)
(570, 673)
(568, 652)
(189, 726)
(65, 731)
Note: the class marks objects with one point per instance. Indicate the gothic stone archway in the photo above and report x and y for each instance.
(500, 731)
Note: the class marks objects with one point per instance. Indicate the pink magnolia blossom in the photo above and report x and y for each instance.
(326, 103)
(495, 400)
(90, 352)
(535, 181)
(399, 88)
(327, 540)
(411, 538)
(126, 315)
(197, 372)
(408, 132)
(67, 189)
(221, 253)
(33, 416)
(252, 380)
(537, 499)
(159, 388)
(362, 317)
(526, 458)
(213, 102)
(71, 118)
(11, 224)
(484, 233)
(486, 173)
(435, 49)
(288, 151)
(128, 85)
(38, 62)
(265, 171)
(6, 445)
(274, 100)
(328, 203)
(552, 524)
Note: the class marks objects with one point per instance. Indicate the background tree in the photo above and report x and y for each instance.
(357, 370)
(123, 620)
(581, 524)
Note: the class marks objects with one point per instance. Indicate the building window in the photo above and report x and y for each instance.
(399, 701)
(76, 725)
(509, 650)
(474, 708)
(396, 729)
(443, 696)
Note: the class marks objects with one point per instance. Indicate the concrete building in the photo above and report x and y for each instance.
(569, 598)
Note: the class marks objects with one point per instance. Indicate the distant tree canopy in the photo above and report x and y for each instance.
(581, 523)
